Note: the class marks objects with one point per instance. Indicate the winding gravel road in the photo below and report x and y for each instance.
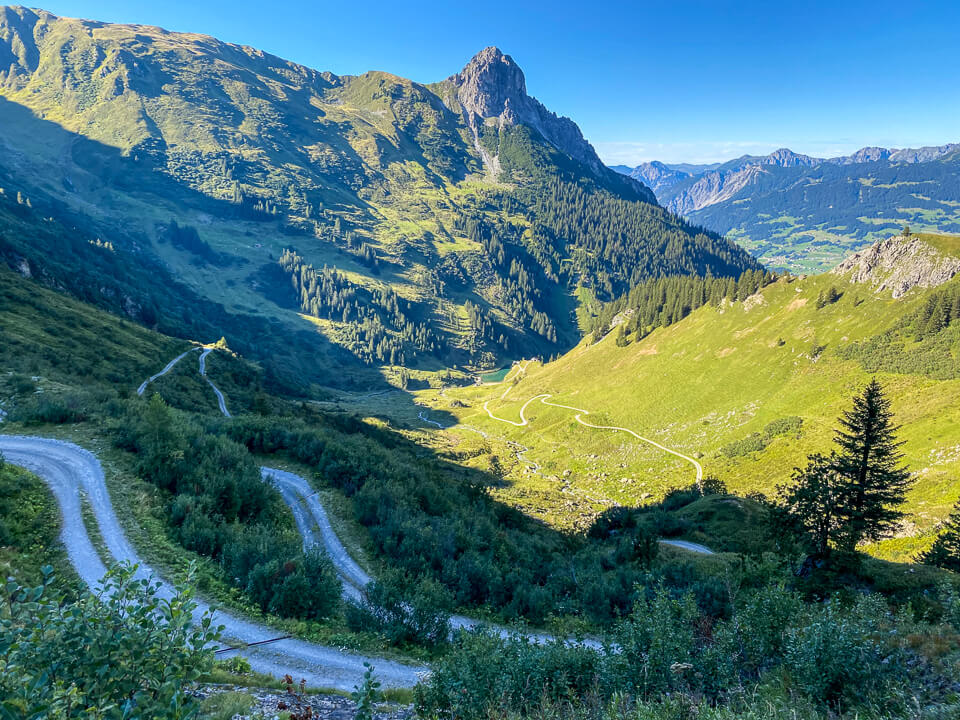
(221, 401)
(143, 387)
(315, 529)
(72, 472)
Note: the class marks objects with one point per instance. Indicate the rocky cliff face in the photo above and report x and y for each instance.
(899, 264)
(492, 89)
(712, 188)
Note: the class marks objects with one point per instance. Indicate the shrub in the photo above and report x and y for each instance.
(485, 675)
(783, 426)
(754, 442)
(836, 654)
(123, 651)
(655, 642)
(55, 409)
(403, 610)
(311, 591)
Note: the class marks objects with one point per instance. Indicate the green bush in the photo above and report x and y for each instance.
(56, 409)
(773, 652)
(837, 656)
(120, 652)
(403, 610)
(486, 676)
(657, 643)
(783, 426)
(221, 508)
(754, 442)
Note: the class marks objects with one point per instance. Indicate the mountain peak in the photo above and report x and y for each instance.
(785, 157)
(491, 83)
(491, 90)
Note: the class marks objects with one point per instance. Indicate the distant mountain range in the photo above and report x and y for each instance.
(805, 214)
(369, 220)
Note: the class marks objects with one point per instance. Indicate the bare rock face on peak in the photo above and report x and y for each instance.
(491, 90)
(898, 265)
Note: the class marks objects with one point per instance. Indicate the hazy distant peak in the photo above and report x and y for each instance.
(785, 157)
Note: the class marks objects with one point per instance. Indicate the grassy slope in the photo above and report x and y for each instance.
(710, 380)
(47, 333)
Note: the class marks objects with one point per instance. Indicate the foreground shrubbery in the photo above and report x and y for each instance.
(403, 610)
(120, 652)
(221, 508)
(667, 660)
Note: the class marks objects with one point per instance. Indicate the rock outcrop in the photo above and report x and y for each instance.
(898, 265)
(492, 86)
(491, 89)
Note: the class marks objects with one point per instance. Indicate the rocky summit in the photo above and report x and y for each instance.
(491, 89)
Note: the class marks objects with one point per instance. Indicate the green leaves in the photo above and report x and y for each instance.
(122, 651)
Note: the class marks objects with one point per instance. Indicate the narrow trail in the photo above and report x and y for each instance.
(143, 386)
(221, 400)
(72, 473)
(684, 544)
(580, 412)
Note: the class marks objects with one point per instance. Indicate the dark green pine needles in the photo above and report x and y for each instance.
(869, 462)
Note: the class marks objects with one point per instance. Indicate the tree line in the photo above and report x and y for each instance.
(378, 325)
(667, 300)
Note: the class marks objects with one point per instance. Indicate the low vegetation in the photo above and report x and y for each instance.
(119, 652)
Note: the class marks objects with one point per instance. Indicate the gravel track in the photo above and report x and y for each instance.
(72, 472)
(221, 400)
(143, 386)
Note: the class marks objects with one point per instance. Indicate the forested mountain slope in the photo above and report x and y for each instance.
(748, 385)
(393, 222)
(805, 214)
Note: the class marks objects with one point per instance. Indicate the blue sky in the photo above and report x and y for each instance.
(678, 81)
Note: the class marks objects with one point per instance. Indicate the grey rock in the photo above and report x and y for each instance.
(899, 264)
(270, 703)
(491, 89)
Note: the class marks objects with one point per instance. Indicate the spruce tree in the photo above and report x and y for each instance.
(869, 465)
(945, 551)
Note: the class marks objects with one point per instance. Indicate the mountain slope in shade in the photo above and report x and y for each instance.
(452, 211)
(804, 214)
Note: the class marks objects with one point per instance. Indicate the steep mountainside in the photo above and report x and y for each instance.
(804, 214)
(746, 388)
(395, 222)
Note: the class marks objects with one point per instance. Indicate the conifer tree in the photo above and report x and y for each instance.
(869, 464)
(945, 551)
